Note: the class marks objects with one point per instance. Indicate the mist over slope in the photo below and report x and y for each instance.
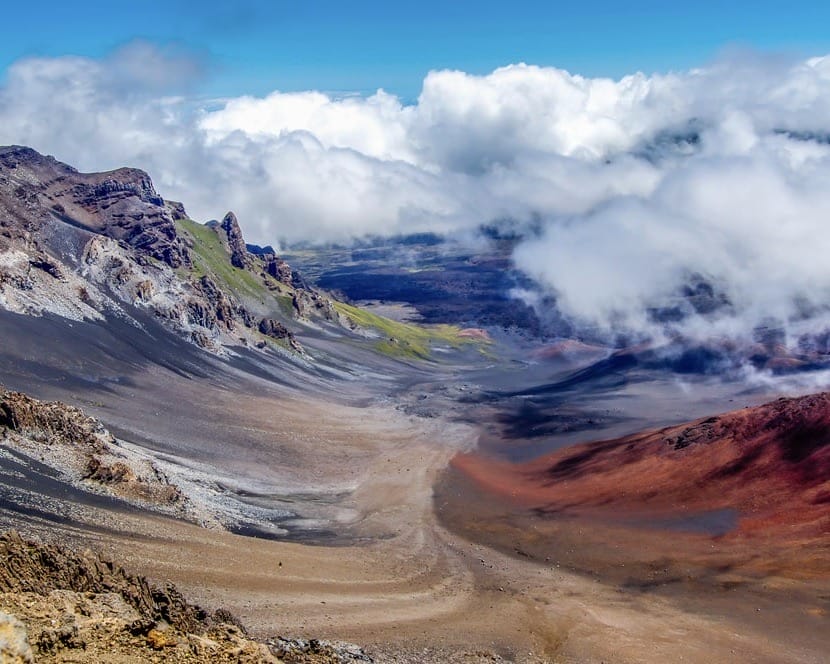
(628, 193)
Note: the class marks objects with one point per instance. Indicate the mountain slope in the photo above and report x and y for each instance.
(770, 463)
(96, 245)
(99, 246)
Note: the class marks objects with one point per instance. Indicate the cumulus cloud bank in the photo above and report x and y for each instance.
(635, 187)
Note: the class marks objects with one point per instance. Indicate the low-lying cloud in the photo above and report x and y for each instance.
(634, 188)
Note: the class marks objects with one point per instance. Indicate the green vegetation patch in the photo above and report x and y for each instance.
(211, 258)
(405, 340)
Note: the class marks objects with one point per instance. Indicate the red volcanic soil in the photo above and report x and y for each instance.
(474, 333)
(771, 463)
(568, 349)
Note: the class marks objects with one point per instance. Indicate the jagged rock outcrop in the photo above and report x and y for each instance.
(277, 268)
(89, 246)
(79, 446)
(245, 255)
(274, 329)
(236, 243)
(122, 204)
(308, 302)
(222, 310)
(58, 605)
(84, 608)
(272, 264)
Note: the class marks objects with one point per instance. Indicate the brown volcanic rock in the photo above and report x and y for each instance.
(30, 567)
(82, 608)
(222, 310)
(122, 204)
(771, 463)
(271, 264)
(51, 423)
(278, 268)
(274, 329)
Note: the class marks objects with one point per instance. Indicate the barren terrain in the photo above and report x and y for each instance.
(378, 568)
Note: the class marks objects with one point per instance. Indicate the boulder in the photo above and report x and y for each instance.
(14, 641)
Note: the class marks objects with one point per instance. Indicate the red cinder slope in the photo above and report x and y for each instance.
(771, 463)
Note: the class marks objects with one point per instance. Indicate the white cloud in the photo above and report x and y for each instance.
(638, 183)
(374, 126)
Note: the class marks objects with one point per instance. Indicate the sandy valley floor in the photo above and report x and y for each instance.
(397, 580)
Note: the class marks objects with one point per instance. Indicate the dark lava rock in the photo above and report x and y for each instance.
(272, 328)
(236, 243)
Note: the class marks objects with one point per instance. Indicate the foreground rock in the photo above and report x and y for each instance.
(57, 606)
(93, 609)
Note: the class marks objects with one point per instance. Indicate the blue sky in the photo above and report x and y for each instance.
(254, 47)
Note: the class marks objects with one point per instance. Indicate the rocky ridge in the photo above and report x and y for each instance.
(88, 246)
(84, 452)
(122, 204)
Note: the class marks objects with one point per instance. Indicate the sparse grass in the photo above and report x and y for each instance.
(404, 340)
(286, 303)
(396, 339)
(424, 268)
(210, 258)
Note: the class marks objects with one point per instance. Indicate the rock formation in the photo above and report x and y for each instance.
(121, 204)
(80, 448)
(236, 243)
(86, 608)
(58, 605)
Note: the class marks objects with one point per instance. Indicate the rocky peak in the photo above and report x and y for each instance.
(131, 181)
(82, 244)
(126, 206)
(122, 204)
(236, 243)
(12, 156)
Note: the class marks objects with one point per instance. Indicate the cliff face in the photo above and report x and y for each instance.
(121, 204)
(93, 245)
